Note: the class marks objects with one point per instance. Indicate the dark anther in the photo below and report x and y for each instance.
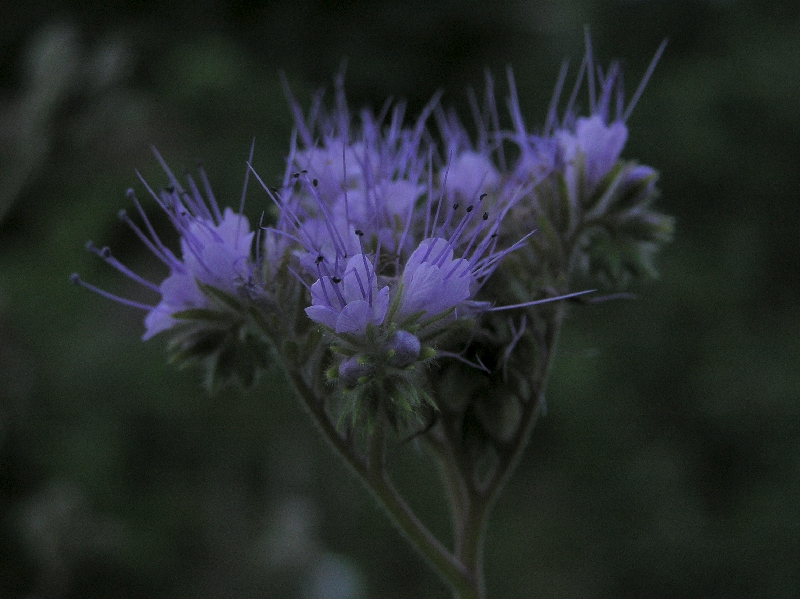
(105, 252)
(304, 172)
(493, 235)
(75, 279)
(296, 175)
(336, 279)
(483, 195)
(469, 209)
(455, 206)
(319, 259)
(485, 216)
(314, 182)
(359, 232)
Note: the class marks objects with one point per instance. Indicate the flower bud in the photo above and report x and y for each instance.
(352, 371)
(404, 349)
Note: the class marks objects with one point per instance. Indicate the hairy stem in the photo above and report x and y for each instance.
(370, 469)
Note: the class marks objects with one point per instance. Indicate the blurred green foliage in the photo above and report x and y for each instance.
(669, 463)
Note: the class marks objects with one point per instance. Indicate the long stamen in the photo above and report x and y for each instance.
(590, 70)
(514, 109)
(639, 90)
(327, 217)
(166, 258)
(244, 187)
(76, 280)
(198, 207)
(173, 180)
(552, 110)
(541, 301)
(105, 254)
(161, 251)
(568, 111)
(366, 268)
(477, 231)
(494, 117)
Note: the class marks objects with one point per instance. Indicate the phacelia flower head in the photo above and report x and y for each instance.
(393, 241)
(203, 298)
(581, 186)
(216, 254)
(583, 148)
(388, 244)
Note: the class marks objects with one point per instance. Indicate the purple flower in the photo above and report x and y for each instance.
(352, 302)
(215, 251)
(214, 254)
(470, 174)
(433, 282)
(344, 177)
(584, 149)
(595, 146)
(336, 166)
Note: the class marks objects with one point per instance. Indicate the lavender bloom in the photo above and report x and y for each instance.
(215, 252)
(362, 211)
(352, 302)
(336, 185)
(589, 153)
(469, 175)
(583, 148)
(433, 282)
(336, 166)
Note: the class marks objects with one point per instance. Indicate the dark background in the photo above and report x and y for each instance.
(669, 462)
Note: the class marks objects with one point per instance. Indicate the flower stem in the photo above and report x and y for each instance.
(370, 469)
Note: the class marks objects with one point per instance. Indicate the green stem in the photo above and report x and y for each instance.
(467, 543)
(511, 453)
(371, 471)
(471, 502)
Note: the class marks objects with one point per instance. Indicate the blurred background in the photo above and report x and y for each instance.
(669, 462)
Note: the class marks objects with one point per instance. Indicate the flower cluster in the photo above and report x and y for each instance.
(379, 259)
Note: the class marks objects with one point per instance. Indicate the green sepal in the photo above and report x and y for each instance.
(640, 194)
(232, 354)
(220, 295)
(194, 345)
(602, 200)
(648, 226)
(427, 353)
(615, 259)
(240, 358)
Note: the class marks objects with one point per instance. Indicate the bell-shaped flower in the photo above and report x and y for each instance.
(217, 255)
(595, 146)
(433, 281)
(215, 252)
(352, 302)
